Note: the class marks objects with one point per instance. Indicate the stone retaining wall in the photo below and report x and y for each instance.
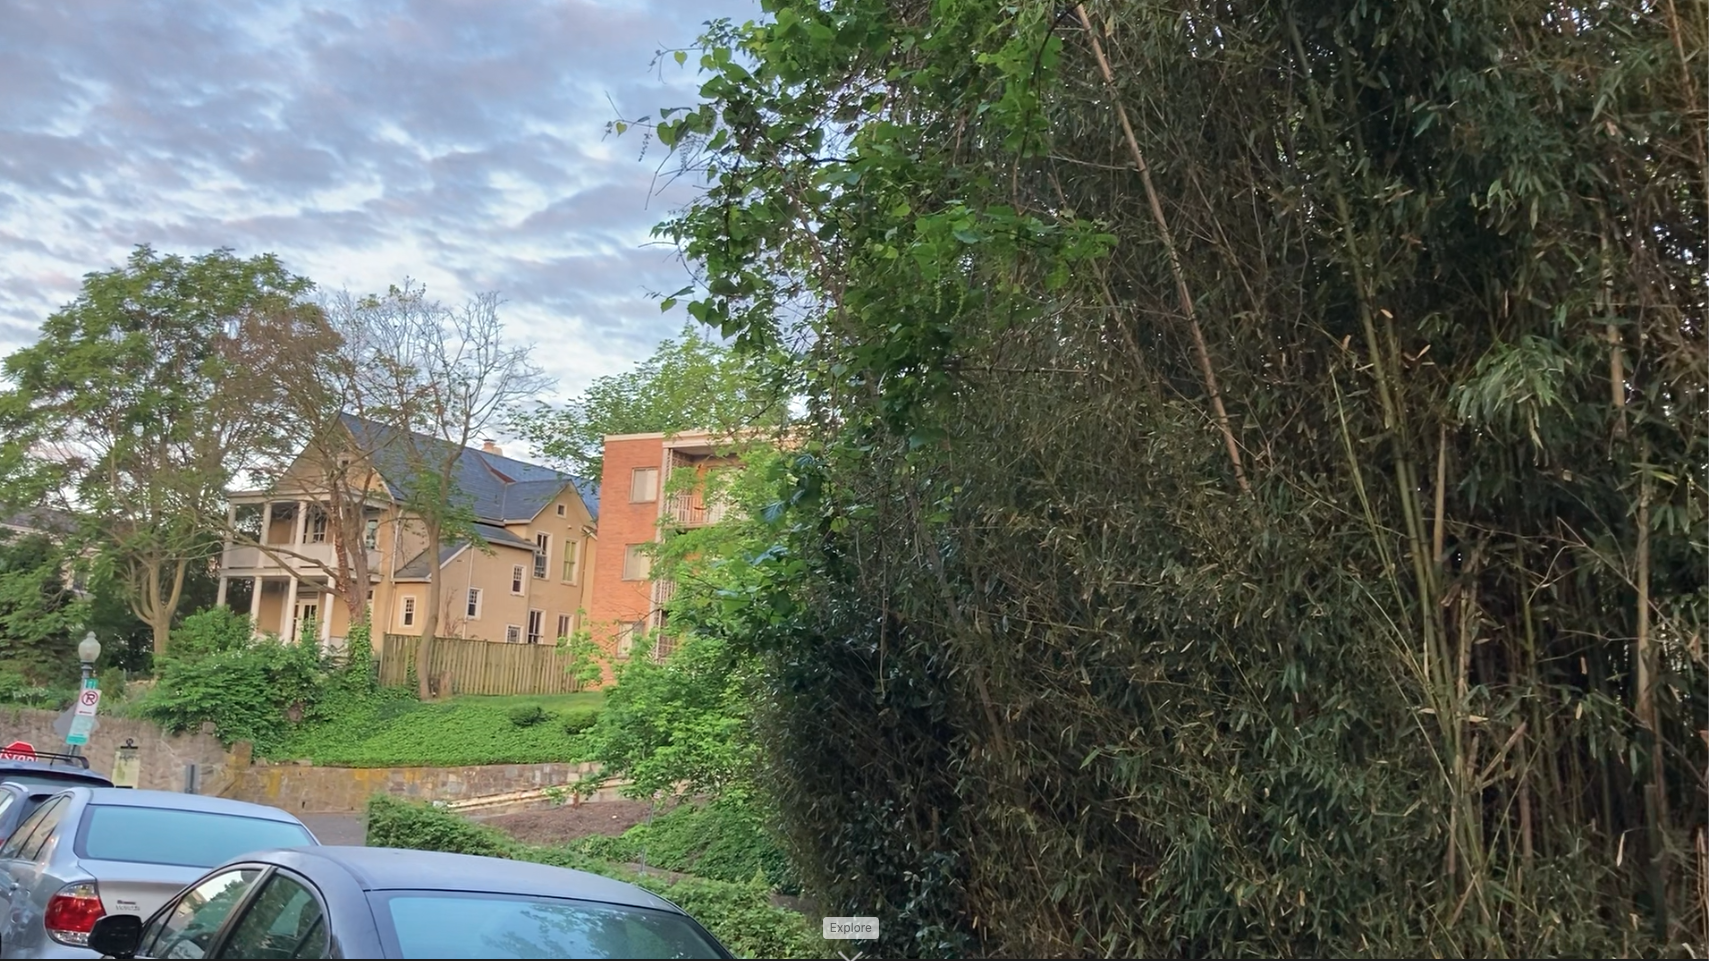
(301, 788)
(161, 757)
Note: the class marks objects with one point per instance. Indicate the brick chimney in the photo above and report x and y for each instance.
(489, 447)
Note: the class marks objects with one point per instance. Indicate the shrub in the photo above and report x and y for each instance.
(249, 693)
(723, 840)
(528, 715)
(213, 631)
(112, 685)
(577, 720)
(740, 915)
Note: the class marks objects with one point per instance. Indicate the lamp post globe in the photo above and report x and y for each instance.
(88, 651)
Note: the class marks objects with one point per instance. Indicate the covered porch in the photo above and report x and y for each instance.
(285, 604)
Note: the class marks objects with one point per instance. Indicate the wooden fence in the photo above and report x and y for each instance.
(480, 667)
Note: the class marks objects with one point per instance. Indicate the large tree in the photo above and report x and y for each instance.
(40, 613)
(689, 383)
(148, 394)
(435, 378)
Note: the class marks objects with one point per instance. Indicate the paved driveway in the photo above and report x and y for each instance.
(341, 829)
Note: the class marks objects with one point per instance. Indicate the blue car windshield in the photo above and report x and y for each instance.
(449, 924)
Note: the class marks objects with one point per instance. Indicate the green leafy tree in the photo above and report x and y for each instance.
(689, 383)
(40, 616)
(683, 723)
(147, 395)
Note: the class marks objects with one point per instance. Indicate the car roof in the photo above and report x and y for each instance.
(201, 803)
(67, 772)
(396, 869)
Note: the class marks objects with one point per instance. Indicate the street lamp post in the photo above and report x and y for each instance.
(88, 652)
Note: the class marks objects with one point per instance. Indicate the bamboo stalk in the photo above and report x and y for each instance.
(1206, 370)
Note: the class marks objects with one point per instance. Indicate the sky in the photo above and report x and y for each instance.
(459, 143)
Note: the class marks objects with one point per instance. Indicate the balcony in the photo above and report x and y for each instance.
(691, 510)
(304, 558)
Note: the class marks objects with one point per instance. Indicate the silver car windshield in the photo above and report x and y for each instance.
(444, 924)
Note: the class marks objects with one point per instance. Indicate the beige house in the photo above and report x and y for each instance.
(524, 579)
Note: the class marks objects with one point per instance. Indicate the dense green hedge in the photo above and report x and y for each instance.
(739, 914)
(1250, 497)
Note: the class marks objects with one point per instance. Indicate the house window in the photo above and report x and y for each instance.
(369, 609)
(535, 620)
(628, 634)
(563, 626)
(516, 579)
(561, 510)
(409, 610)
(643, 485)
(317, 526)
(542, 553)
(571, 549)
(473, 608)
(636, 564)
(512, 634)
(371, 534)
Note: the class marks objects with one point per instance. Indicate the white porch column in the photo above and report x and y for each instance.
(288, 618)
(255, 606)
(266, 523)
(219, 598)
(325, 609)
(302, 523)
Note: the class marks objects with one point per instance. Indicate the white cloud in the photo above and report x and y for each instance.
(457, 142)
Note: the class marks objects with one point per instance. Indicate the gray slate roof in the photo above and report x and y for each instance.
(495, 488)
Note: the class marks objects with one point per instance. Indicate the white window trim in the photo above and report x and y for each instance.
(566, 625)
(513, 634)
(518, 580)
(406, 610)
(626, 632)
(542, 556)
(535, 634)
(634, 473)
(479, 597)
(572, 559)
(647, 561)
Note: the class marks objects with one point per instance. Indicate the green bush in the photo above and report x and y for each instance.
(250, 693)
(723, 840)
(528, 715)
(580, 719)
(740, 915)
(112, 686)
(213, 631)
(18, 691)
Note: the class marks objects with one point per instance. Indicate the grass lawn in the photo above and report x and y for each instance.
(551, 702)
(395, 730)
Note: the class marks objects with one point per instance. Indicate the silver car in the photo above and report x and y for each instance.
(89, 852)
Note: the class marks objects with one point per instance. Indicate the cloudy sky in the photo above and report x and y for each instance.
(457, 142)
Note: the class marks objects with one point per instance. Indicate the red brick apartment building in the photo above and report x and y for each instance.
(637, 508)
